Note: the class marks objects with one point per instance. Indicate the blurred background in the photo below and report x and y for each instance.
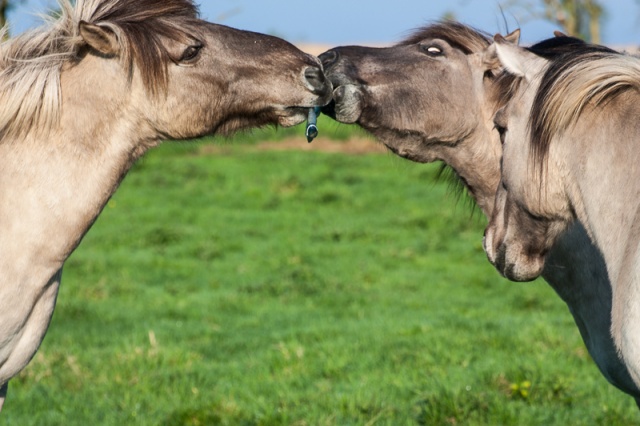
(337, 22)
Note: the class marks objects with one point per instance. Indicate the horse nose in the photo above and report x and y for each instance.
(316, 80)
(329, 58)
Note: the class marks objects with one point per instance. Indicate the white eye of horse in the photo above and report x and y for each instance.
(434, 49)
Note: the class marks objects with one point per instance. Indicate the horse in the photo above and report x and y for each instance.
(569, 154)
(432, 97)
(87, 94)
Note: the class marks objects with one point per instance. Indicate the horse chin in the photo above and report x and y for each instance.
(524, 270)
(512, 263)
(292, 116)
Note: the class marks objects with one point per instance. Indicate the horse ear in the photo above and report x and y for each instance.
(100, 38)
(516, 60)
(513, 37)
(559, 34)
(490, 59)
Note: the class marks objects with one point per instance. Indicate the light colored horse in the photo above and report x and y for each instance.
(84, 97)
(432, 97)
(571, 153)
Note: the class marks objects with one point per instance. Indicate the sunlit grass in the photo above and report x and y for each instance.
(301, 288)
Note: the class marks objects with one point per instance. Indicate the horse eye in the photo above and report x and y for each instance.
(503, 184)
(190, 53)
(433, 50)
(501, 131)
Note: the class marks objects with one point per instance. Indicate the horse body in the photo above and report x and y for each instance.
(433, 97)
(86, 97)
(579, 162)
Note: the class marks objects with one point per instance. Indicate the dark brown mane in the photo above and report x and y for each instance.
(460, 36)
(564, 54)
(507, 86)
(144, 23)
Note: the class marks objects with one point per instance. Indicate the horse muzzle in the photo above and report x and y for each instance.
(511, 260)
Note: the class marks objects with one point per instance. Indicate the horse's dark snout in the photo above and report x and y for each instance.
(317, 81)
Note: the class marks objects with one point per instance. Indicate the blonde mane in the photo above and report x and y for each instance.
(570, 84)
(31, 64)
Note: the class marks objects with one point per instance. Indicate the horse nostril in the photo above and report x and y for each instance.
(328, 58)
(500, 262)
(315, 78)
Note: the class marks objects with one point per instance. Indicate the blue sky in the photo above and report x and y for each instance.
(336, 22)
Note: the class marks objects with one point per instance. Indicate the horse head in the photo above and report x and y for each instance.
(428, 98)
(158, 67)
(530, 210)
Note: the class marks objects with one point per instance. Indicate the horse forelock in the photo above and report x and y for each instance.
(31, 63)
(460, 36)
(584, 75)
(143, 24)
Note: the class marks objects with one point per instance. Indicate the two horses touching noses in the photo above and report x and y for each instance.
(85, 96)
(88, 94)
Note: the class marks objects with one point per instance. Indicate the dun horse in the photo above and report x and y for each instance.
(571, 153)
(432, 97)
(84, 97)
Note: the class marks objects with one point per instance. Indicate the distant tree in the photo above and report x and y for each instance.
(5, 7)
(577, 17)
(580, 18)
(450, 15)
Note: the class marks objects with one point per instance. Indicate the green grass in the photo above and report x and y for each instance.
(301, 288)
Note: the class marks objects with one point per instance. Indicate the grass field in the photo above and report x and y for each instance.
(234, 286)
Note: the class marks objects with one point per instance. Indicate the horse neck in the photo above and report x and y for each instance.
(54, 187)
(609, 219)
(603, 180)
(476, 160)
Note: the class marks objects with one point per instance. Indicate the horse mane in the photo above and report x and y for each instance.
(584, 74)
(31, 64)
(463, 37)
